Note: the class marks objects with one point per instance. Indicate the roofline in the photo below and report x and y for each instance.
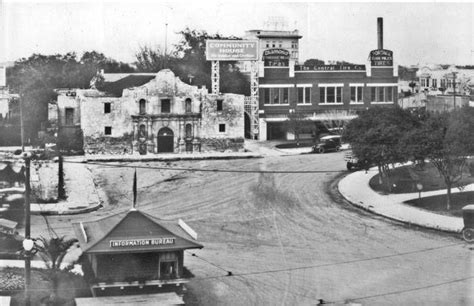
(129, 251)
(150, 217)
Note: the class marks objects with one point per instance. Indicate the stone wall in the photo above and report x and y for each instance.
(222, 144)
(108, 145)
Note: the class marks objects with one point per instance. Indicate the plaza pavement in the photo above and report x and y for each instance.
(84, 197)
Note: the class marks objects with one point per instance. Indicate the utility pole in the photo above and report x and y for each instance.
(22, 132)
(454, 89)
(166, 46)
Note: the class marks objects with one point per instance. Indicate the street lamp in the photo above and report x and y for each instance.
(28, 243)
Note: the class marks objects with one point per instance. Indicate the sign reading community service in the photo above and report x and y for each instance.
(381, 57)
(141, 242)
(231, 50)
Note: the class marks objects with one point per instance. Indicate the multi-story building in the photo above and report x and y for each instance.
(314, 91)
(154, 113)
(437, 80)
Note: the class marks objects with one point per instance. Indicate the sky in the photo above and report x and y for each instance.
(417, 33)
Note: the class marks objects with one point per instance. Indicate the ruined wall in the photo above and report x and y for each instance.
(68, 101)
(231, 116)
(108, 145)
(94, 119)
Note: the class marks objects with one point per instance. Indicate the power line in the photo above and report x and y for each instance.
(336, 263)
(411, 289)
(212, 170)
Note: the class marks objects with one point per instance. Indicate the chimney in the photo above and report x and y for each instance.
(380, 33)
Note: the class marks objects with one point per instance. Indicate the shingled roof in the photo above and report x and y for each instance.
(96, 236)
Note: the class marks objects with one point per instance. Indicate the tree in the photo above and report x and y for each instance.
(36, 77)
(335, 120)
(313, 62)
(297, 123)
(446, 139)
(376, 138)
(412, 85)
(190, 61)
(150, 59)
(52, 251)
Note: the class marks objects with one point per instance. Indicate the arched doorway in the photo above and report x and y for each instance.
(247, 126)
(165, 143)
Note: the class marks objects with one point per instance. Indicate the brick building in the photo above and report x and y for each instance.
(286, 88)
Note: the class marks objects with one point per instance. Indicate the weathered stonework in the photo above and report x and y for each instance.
(162, 115)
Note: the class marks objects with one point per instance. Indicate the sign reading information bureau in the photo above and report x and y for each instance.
(231, 50)
(141, 242)
(381, 57)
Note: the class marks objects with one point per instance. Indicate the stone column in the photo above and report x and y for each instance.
(182, 143)
(135, 137)
(196, 140)
(150, 142)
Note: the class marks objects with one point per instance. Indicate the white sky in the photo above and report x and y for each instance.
(427, 32)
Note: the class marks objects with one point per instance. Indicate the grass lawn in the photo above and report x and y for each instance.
(438, 203)
(70, 287)
(404, 179)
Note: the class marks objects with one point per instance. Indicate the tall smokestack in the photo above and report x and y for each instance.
(380, 33)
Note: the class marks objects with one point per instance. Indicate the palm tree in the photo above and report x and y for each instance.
(52, 251)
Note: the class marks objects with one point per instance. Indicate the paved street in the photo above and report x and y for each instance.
(286, 239)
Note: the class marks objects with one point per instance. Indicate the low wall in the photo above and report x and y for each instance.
(222, 144)
(108, 145)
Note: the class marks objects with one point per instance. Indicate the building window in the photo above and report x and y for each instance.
(382, 94)
(304, 95)
(294, 44)
(222, 128)
(142, 106)
(423, 82)
(434, 83)
(276, 95)
(69, 116)
(268, 44)
(280, 44)
(330, 94)
(373, 94)
(357, 94)
(188, 105)
(165, 106)
(273, 44)
(450, 83)
(219, 105)
(107, 108)
(443, 83)
(108, 130)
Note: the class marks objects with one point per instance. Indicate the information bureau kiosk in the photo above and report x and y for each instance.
(133, 252)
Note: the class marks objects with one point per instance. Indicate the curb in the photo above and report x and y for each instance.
(167, 158)
(406, 214)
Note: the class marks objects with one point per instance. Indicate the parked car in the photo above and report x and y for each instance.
(328, 143)
(353, 163)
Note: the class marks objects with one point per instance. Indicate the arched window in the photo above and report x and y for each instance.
(188, 105)
(142, 106)
(189, 130)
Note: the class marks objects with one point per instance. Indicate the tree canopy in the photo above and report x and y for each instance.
(36, 77)
(385, 136)
(188, 62)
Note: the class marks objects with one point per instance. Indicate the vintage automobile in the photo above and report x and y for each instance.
(328, 143)
(353, 163)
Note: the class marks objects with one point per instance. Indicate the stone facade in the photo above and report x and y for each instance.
(162, 115)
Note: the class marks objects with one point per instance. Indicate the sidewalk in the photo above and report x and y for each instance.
(82, 195)
(355, 188)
